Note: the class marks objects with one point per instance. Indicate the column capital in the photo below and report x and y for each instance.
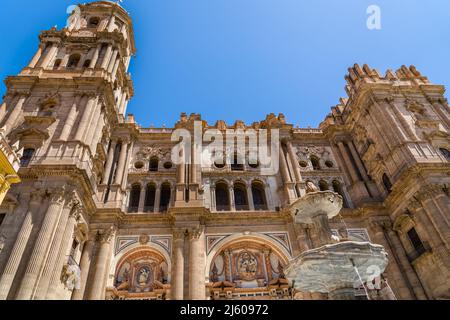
(194, 234)
(178, 234)
(106, 235)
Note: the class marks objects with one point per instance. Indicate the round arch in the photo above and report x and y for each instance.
(151, 247)
(250, 237)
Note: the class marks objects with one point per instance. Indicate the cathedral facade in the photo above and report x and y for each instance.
(104, 212)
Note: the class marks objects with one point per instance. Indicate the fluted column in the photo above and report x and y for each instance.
(196, 264)
(66, 244)
(177, 283)
(52, 257)
(85, 265)
(121, 164)
(13, 263)
(96, 291)
(14, 114)
(44, 238)
(109, 161)
(84, 122)
(93, 123)
(121, 103)
(106, 57)
(71, 117)
(94, 59)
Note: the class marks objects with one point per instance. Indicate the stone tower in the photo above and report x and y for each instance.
(59, 111)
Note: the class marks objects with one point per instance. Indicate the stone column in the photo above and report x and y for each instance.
(36, 57)
(38, 255)
(157, 198)
(197, 289)
(231, 196)
(48, 56)
(106, 57)
(85, 264)
(17, 110)
(121, 103)
(127, 164)
(251, 204)
(268, 265)
(66, 244)
(295, 164)
(142, 199)
(100, 270)
(93, 124)
(213, 197)
(121, 164)
(98, 133)
(44, 281)
(13, 263)
(71, 117)
(287, 181)
(347, 162)
(116, 67)
(113, 60)
(177, 284)
(358, 161)
(94, 59)
(405, 265)
(109, 161)
(84, 122)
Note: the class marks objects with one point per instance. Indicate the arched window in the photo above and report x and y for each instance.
(240, 197)
(222, 197)
(135, 194)
(165, 197)
(337, 187)
(74, 60)
(149, 204)
(26, 157)
(323, 185)
(154, 163)
(237, 164)
(387, 183)
(57, 64)
(445, 153)
(315, 162)
(259, 196)
(93, 22)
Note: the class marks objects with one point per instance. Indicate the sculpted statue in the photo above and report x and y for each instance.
(311, 187)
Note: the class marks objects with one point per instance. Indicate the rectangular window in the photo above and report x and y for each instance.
(415, 239)
(2, 217)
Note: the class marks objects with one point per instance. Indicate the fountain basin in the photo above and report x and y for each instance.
(330, 268)
(305, 209)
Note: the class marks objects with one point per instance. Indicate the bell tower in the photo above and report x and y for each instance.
(60, 113)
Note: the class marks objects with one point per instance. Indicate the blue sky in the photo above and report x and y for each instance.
(242, 59)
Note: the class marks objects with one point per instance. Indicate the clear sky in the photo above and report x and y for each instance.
(242, 59)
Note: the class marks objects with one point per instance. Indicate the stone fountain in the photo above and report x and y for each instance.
(335, 267)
